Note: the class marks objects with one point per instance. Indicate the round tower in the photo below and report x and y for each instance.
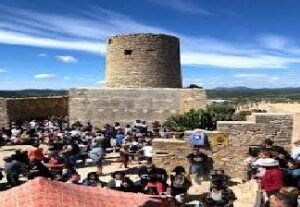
(143, 61)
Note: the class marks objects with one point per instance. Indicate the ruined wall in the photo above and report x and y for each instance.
(29, 108)
(143, 61)
(105, 105)
(277, 127)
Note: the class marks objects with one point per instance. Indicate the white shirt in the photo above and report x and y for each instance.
(148, 151)
(296, 153)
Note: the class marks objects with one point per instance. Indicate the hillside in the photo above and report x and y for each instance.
(32, 93)
(235, 95)
(243, 94)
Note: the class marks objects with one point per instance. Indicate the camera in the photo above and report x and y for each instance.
(254, 150)
(218, 177)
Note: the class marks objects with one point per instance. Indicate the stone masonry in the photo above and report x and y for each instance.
(143, 81)
(169, 153)
(278, 127)
(13, 109)
(143, 61)
(100, 106)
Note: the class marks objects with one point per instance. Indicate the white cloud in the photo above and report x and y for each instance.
(237, 61)
(44, 76)
(87, 31)
(183, 6)
(279, 43)
(2, 70)
(66, 59)
(257, 77)
(42, 55)
(14, 38)
(100, 82)
(67, 78)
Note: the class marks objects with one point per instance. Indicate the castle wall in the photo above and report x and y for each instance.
(143, 61)
(278, 127)
(12, 109)
(100, 106)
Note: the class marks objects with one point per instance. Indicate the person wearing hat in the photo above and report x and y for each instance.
(272, 180)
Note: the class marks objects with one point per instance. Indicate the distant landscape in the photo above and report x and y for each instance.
(236, 95)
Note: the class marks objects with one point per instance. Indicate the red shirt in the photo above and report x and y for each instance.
(158, 185)
(35, 154)
(272, 180)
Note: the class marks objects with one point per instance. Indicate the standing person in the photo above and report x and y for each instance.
(124, 155)
(97, 154)
(147, 152)
(197, 162)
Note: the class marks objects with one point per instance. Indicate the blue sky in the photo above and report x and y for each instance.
(224, 43)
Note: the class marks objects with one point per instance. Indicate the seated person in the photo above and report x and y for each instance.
(91, 180)
(13, 168)
(154, 186)
(220, 195)
(145, 171)
(292, 174)
(74, 179)
(116, 181)
(179, 184)
(38, 169)
(56, 163)
(67, 172)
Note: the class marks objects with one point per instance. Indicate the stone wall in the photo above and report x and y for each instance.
(3, 112)
(296, 131)
(169, 153)
(277, 127)
(13, 109)
(143, 61)
(293, 108)
(100, 106)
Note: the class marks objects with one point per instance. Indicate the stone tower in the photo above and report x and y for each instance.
(143, 61)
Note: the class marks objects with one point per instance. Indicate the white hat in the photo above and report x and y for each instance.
(269, 162)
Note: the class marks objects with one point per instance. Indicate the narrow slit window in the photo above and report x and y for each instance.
(127, 52)
(109, 41)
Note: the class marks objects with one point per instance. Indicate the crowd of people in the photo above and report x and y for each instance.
(59, 149)
(277, 172)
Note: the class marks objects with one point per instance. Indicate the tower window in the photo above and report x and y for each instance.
(109, 41)
(127, 52)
